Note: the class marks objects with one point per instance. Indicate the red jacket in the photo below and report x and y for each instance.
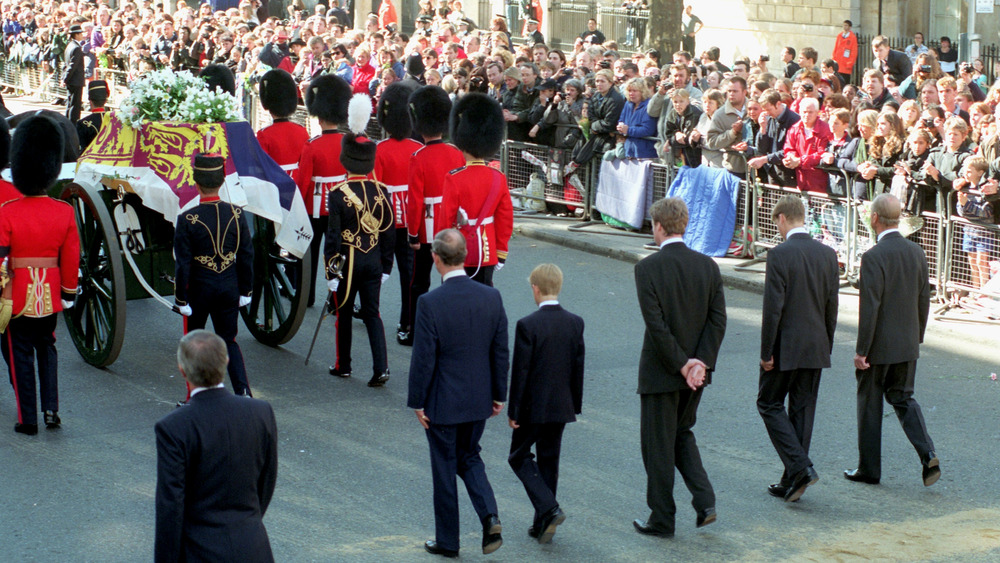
(40, 229)
(363, 76)
(319, 170)
(809, 152)
(8, 192)
(428, 168)
(283, 141)
(469, 188)
(392, 168)
(845, 52)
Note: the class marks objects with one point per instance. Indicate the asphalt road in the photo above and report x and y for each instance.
(354, 478)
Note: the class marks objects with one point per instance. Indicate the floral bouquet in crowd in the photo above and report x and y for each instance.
(166, 95)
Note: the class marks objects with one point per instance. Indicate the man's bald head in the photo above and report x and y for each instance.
(449, 246)
(888, 209)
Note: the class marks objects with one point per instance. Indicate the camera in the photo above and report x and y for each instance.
(965, 67)
(604, 64)
(925, 68)
(764, 58)
(807, 87)
(927, 122)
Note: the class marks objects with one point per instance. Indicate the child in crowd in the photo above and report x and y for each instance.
(976, 202)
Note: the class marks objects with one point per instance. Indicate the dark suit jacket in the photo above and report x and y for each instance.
(217, 462)
(460, 352)
(895, 301)
(73, 75)
(899, 66)
(800, 304)
(684, 308)
(546, 378)
(771, 143)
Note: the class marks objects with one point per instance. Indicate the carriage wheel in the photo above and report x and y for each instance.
(280, 289)
(97, 322)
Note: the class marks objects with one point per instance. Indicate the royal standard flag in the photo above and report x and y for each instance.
(155, 162)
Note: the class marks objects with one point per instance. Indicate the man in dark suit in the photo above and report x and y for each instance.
(458, 379)
(684, 309)
(894, 305)
(892, 63)
(73, 75)
(217, 463)
(546, 392)
(796, 337)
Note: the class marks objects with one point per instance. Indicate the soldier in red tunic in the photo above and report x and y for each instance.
(429, 109)
(282, 140)
(319, 166)
(392, 168)
(7, 190)
(476, 198)
(40, 247)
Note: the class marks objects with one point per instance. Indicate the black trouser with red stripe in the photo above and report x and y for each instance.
(365, 279)
(404, 264)
(420, 283)
(26, 341)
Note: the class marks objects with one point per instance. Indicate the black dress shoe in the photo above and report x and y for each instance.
(491, 534)
(432, 547)
(642, 528)
(932, 469)
(180, 404)
(777, 490)
(802, 479)
(335, 371)
(405, 337)
(52, 419)
(858, 477)
(533, 532)
(29, 429)
(547, 525)
(705, 517)
(379, 379)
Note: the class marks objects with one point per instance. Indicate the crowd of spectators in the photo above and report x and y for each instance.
(918, 123)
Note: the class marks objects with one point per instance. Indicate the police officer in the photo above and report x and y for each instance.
(88, 127)
(359, 245)
(214, 268)
(40, 249)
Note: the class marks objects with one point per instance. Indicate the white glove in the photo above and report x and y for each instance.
(385, 277)
(67, 304)
(185, 310)
(245, 300)
(498, 267)
(333, 284)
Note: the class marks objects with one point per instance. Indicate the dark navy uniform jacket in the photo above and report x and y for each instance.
(214, 253)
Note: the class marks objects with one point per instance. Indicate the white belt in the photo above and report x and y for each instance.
(432, 200)
(486, 221)
(290, 167)
(397, 189)
(328, 179)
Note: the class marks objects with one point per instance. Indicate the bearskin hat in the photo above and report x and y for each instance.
(36, 154)
(209, 170)
(327, 98)
(4, 144)
(219, 76)
(477, 125)
(71, 140)
(429, 107)
(392, 113)
(278, 94)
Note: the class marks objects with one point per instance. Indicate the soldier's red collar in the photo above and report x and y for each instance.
(210, 198)
(97, 110)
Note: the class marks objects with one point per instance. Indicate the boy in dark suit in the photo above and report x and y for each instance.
(546, 392)
(216, 465)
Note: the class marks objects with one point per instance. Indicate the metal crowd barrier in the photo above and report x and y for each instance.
(520, 161)
(626, 26)
(33, 81)
(972, 290)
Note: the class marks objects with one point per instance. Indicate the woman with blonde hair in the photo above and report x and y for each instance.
(909, 112)
(886, 148)
(635, 124)
(856, 153)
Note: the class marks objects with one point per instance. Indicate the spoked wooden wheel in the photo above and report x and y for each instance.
(97, 322)
(280, 289)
